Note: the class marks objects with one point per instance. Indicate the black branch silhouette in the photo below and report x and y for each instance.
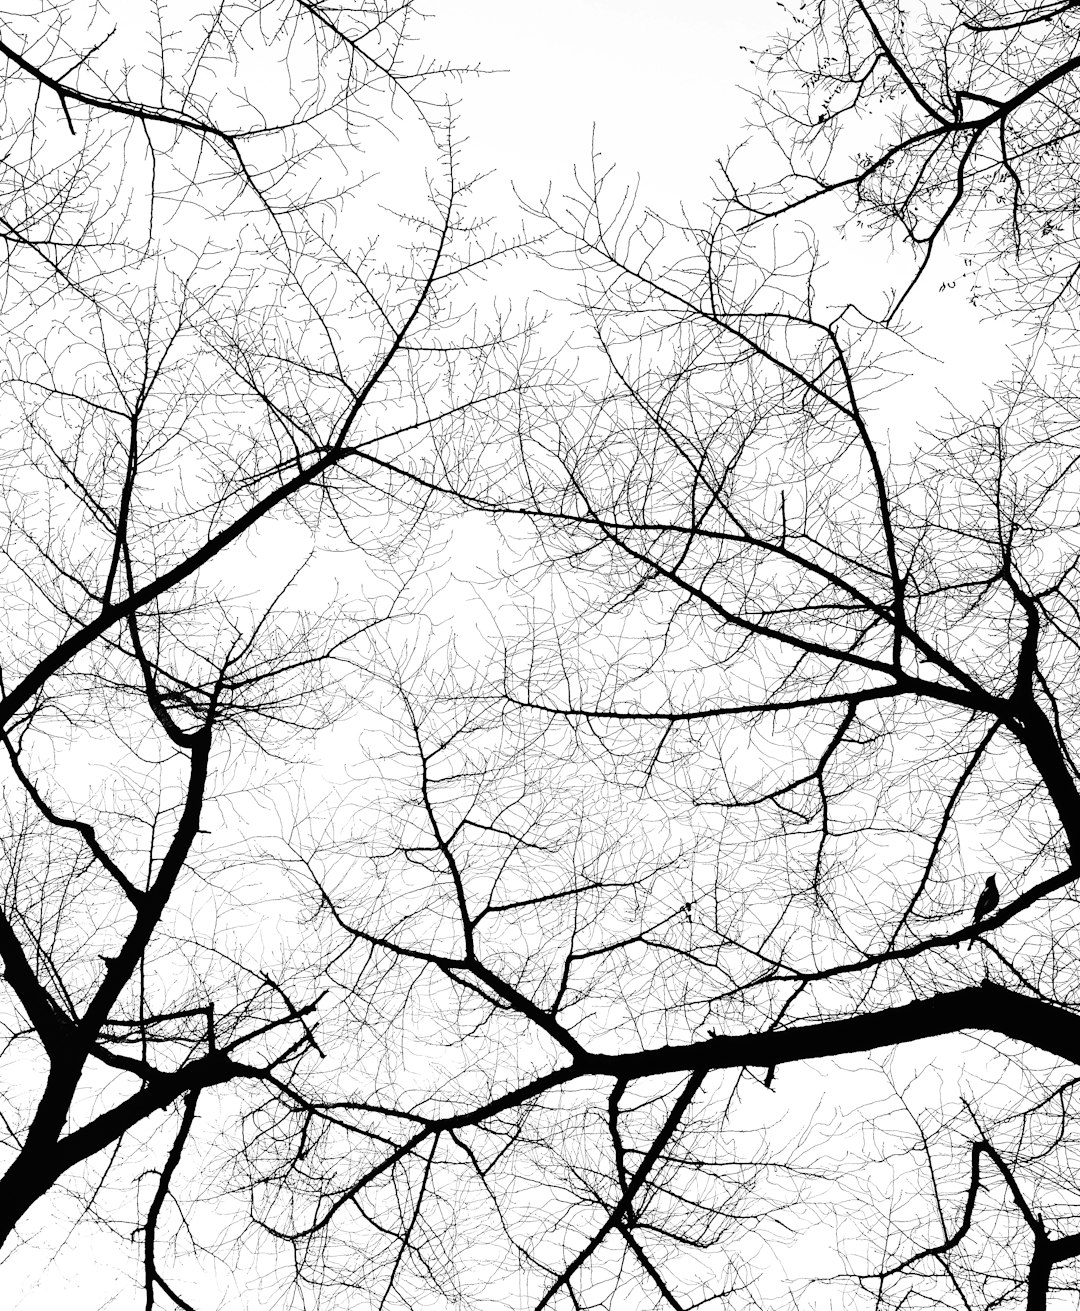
(485, 798)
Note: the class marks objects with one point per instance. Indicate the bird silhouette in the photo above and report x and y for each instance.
(988, 900)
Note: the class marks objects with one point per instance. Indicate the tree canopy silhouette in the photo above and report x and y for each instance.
(519, 993)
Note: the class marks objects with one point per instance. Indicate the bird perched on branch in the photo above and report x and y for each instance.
(988, 900)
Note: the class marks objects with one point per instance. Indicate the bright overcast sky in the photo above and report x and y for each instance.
(659, 83)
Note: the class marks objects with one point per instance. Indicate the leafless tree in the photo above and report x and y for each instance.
(220, 360)
(948, 123)
(777, 688)
(786, 685)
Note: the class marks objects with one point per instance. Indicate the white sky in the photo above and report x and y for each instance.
(659, 83)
